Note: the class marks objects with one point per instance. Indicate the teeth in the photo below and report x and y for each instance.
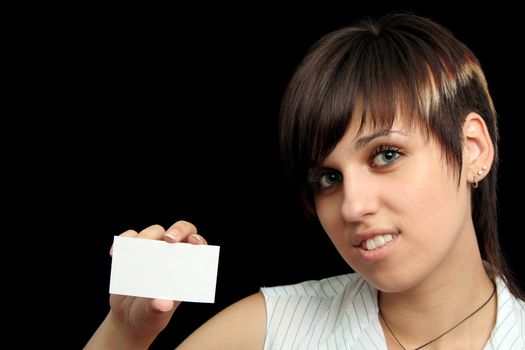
(377, 242)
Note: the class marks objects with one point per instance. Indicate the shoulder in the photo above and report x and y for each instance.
(332, 293)
(327, 287)
(508, 304)
(240, 326)
(519, 311)
(319, 312)
(509, 330)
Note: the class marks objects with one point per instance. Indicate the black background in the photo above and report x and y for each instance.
(151, 115)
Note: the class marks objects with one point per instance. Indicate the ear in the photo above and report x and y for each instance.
(478, 148)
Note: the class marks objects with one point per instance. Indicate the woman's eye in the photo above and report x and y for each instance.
(325, 180)
(385, 156)
(329, 179)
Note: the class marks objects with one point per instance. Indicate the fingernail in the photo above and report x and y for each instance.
(173, 233)
(196, 238)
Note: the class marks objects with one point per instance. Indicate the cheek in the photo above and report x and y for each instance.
(431, 202)
(329, 215)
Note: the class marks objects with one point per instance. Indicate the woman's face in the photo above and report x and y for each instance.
(392, 207)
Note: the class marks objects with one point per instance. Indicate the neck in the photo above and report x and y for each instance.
(453, 291)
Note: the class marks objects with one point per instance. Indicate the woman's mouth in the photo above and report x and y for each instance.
(377, 242)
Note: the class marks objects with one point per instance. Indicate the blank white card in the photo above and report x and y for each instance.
(162, 270)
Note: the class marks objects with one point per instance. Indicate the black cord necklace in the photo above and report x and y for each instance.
(433, 340)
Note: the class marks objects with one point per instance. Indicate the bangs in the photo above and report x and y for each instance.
(363, 89)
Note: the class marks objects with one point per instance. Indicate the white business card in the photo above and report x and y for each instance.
(162, 270)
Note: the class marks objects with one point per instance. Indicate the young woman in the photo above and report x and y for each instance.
(389, 133)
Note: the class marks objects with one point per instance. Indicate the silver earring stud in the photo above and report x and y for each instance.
(483, 168)
(480, 172)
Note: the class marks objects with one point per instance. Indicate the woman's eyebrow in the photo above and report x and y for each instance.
(365, 140)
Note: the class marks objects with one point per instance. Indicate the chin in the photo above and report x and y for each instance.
(389, 287)
(390, 282)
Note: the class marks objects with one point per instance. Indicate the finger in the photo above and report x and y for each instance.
(161, 305)
(196, 239)
(157, 314)
(128, 233)
(152, 232)
(179, 231)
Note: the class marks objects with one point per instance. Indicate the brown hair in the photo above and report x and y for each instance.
(399, 63)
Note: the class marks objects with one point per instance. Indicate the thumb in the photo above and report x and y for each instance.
(152, 317)
(157, 313)
(161, 306)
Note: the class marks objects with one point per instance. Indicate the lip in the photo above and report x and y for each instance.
(362, 236)
(376, 255)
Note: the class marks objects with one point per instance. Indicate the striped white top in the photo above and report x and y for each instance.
(341, 312)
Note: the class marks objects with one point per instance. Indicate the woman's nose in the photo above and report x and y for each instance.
(360, 197)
